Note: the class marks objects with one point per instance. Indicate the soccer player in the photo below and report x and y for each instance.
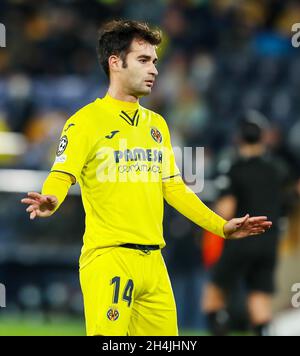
(120, 153)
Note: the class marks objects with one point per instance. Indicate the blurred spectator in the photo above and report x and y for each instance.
(188, 116)
(42, 134)
(254, 187)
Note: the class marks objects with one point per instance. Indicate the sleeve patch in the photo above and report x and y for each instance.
(63, 143)
(60, 159)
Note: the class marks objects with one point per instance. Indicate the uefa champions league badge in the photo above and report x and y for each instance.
(156, 135)
(63, 143)
(113, 314)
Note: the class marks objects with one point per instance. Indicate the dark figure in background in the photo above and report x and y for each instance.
(254, 186)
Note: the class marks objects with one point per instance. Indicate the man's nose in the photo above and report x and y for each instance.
(154, 70)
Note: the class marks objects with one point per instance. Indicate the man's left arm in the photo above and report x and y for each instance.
(183, 199)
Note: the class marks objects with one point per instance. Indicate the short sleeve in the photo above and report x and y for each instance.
(230, 182)
(73, 147)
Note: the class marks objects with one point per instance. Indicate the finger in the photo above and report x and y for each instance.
(33, 215)
(34, 195)
(31, 208)
(28, 201)
(257, 219)
(254, 226)
(241, 221)
(257, 231)
(266, 224)
(263, 224)
(245, 218)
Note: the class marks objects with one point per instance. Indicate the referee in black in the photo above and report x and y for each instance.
(255, 187)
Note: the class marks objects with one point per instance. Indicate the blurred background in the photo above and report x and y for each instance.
(219, 59)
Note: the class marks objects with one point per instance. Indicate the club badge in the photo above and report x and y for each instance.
(113, 314)
(156, 135)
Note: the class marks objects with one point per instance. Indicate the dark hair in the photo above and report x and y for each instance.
(115, 38)
(250, 132)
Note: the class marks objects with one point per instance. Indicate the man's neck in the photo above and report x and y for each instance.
(252, 150)
(118, 94)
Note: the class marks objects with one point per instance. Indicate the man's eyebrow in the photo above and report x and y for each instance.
(147, 57)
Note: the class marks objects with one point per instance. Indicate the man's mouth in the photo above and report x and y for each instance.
(149, 83)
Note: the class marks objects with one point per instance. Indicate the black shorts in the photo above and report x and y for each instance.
(248, 262)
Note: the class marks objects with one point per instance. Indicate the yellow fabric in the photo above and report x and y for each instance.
(121, 155)
(119, 300)
(57, 184)
(183, 199)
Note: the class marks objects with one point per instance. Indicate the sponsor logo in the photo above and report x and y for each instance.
(153, 164)
(70, 125)
(112, 134)
(139, 154)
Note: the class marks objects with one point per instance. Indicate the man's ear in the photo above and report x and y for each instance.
(115, 63)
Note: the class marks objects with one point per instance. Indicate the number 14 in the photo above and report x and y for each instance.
(127, 294)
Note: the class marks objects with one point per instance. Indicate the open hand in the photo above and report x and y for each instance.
(40, 205)
(247, 226)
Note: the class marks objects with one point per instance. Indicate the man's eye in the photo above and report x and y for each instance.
(143, 60)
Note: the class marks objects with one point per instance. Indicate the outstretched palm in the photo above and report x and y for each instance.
(247, 226)
(40, 205)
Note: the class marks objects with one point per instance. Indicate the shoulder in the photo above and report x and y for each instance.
(84, 112)
(236, 168)
(155, 118)
(83, 117)
(278, 166)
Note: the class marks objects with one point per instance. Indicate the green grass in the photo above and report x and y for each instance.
(37, 326)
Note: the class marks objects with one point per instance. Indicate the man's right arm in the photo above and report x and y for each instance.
(73, 149)
(55, 190)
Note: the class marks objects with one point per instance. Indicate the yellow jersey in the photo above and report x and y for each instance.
(120, 153)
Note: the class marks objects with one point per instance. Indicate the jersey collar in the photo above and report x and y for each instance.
(119, 104)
